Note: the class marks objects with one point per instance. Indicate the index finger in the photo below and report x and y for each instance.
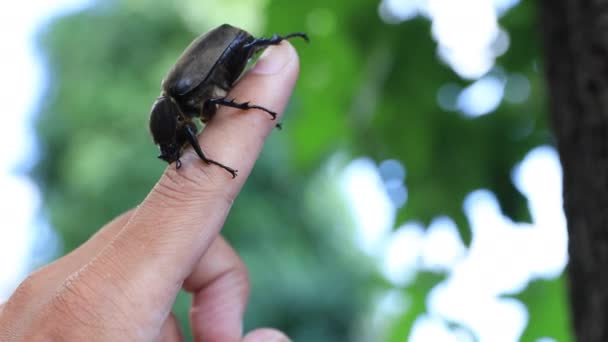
(170, 231)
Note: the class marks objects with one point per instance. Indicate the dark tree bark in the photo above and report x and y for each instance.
(576, 46)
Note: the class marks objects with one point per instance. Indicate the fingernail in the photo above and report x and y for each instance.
(273, 60)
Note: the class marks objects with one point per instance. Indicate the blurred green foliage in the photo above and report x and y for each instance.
(366, 88)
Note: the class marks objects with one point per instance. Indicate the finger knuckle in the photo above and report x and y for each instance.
(23, 301)
(55, 319)
(25, 290)
(28, 289)
(241, 271)
(242, 278)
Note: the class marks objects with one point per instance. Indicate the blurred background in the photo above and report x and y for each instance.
(413, 194)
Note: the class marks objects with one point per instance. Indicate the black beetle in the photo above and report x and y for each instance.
(198, 83)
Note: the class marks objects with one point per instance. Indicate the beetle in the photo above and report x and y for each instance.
(198, 83)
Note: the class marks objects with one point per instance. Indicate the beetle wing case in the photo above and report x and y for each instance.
(199, 59)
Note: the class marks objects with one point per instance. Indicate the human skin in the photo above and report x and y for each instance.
(121, 284)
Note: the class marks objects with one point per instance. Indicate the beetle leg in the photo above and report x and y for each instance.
(224, 101)
(197, 147)
(260, 43)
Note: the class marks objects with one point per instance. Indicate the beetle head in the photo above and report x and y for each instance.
(165, 122)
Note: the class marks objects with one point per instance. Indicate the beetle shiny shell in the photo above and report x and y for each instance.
(198, 83)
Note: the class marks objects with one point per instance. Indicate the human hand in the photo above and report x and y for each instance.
(121, 284)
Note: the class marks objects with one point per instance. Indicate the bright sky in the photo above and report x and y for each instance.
(23, 79)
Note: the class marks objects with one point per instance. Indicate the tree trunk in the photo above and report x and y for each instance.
(576, 45)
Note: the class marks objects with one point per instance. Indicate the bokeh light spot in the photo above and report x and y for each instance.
(482, 97)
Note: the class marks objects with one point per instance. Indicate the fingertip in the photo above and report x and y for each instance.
(266, 335)
(276, 59)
